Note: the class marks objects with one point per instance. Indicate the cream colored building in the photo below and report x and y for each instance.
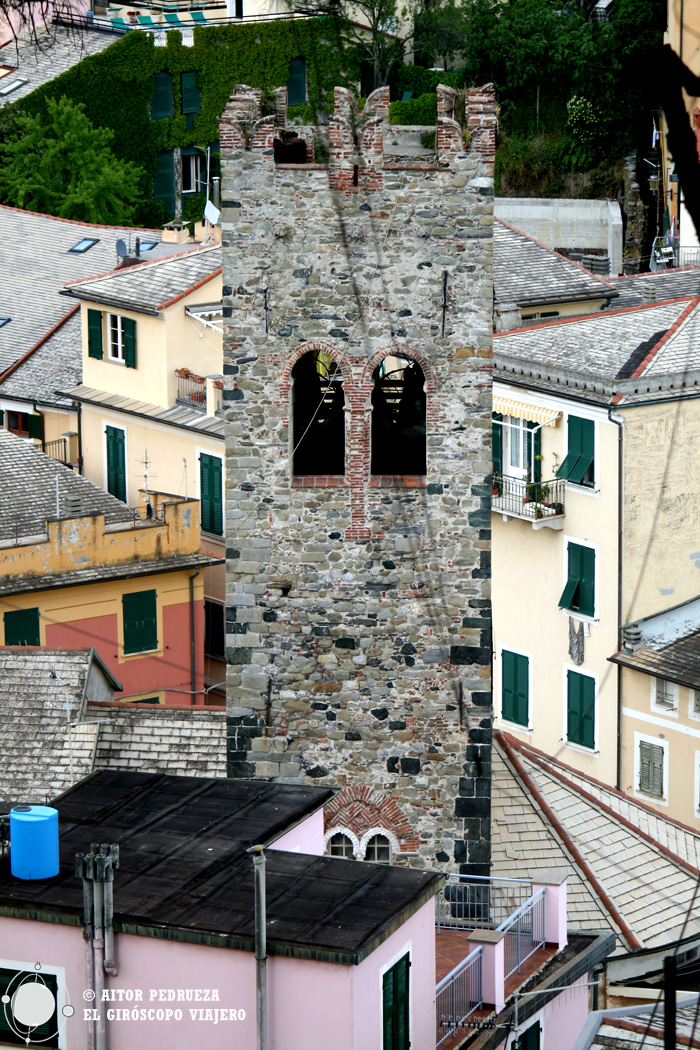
(683, 35)
(594, 514)
(149, 421)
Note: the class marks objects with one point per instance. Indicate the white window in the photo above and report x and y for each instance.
(664, 696)
(340, 845)
(651, 768)
(697, 784)
(378, 850)
(515, 447)
(193, 173)
(115, 343)
(694, 703)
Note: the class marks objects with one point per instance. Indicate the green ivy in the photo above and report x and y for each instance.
(116, 86)
(422, 81)
(421, 110)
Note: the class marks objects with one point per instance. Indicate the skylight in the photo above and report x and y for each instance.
(4, 321)
(83, 246)
(12, 85)
(147, 245)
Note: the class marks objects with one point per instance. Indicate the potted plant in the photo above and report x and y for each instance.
(496, 484)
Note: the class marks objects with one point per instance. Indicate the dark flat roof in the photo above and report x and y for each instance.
(678, 662)
(184, 873)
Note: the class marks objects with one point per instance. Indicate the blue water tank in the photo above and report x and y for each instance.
(34, 842)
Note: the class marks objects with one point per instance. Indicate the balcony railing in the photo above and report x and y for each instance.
(458, 996)
(524, 933)
(536, 501)
(471, 902)
(57, 449)
(192, 390)
(218, 396)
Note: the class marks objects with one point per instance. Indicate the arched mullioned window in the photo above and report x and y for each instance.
(340, 845)
(318, 429)
(378, 850)
(398, 417)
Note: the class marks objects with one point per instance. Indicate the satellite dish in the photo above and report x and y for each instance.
(122, 250)
(211, 213)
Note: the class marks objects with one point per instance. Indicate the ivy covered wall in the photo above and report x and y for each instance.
(117, 85)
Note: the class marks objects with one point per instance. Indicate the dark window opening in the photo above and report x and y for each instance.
(214, 630)
(366, 78)
(18, 423)
(22, 628)
(289, 148)
(340, 846)
(398, 417)
(296, 85)
(319, 418)
(378, 850)
(4, 321)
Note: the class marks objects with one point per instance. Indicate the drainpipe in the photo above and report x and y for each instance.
(110, 964)
(99, 949)
(83, 870)
(260, 948)
(193, 577)
(80, 438)
(618, 763)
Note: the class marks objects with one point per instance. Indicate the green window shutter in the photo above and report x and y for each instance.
(164, 185)
(36, 426)
(388, 1010)
(211, 494)
(2, 418)
(22, 628)
(497, 442)
(515, 687)
(296, 85)
(395, 1006)
(586, 603)
(651, 768)
(580, 709)
(116, 463)
(140, 621)
(162, 104)
(129, 330)
(578, 463)
(530, 1039)
(569, 598)
(191, 102)
(573, 707)
(95, 334)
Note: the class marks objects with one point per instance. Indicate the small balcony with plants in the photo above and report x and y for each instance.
(539, 502)
(203, 393)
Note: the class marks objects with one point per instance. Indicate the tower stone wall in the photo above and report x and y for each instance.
(358, 606)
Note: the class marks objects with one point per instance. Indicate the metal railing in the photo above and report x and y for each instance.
(474, 902)
(533, 500)
(192, 390)
(666, 255)
(73, 20)
(524, 932)
(218, 396)
(457, 996)
(57, 449)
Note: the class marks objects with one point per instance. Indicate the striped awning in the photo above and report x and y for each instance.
(508, 406)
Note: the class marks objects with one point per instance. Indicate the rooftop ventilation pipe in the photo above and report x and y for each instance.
(216, 191)
(260, 947)
(633, 639)
(96, 869)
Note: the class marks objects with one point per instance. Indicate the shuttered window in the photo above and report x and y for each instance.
(651, 769)
(95, 348)
(395, 1006)
(116, 462)
(12, 1031)
(530, 1039)
(580, 709)
(162, 104)
(578, 464)
(579, 593)
(164, 185)
(514, 687)
(129, 337)
(35, 426)
(497, 444)
(22, 628)
(211, 494)
(191, 102)
(296, 85)
(140, 622)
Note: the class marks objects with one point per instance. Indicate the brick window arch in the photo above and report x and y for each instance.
(398, 442)
(318, 417)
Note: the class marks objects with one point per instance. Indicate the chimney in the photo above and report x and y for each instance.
(216, 191)
(633, 639)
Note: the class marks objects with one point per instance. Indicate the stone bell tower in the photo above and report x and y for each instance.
(358, 303)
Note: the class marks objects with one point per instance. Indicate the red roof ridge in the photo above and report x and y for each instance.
(595, 276)
(595, 316)
(80, 222)
(40, 342)
(638, 372)
(648, 1029)
(656, 273)
(626, 931)
(551, 764)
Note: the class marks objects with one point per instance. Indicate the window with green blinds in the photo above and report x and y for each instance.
(395, 1011)
(12, 1032)
(578, 463)
(129, 337)
(140, 621)
(162, 103)
(164, 185)
(530, 1038)
(651, 769)
(296, 85)
(116, 462)
(579, 593)
(211, 494)
(191, 102)
(514, 687)
(95, 348)
(580, 709)
(22, 627)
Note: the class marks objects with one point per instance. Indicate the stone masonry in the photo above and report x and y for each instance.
(358, 606)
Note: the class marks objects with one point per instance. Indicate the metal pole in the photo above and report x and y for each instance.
(670, 1002)
(84, 871)
(260, 947)
(99, 948)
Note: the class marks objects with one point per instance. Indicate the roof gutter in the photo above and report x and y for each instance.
(119, 304)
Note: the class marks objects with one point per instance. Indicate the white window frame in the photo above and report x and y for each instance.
(660, 707)
(644, 795)
(115, 426)
(499, 686)
(59, 973)
(696, 798)
(570, 485)
(198, 490)
(115, 349)
(395, 849)
(693, 696)
(341, 829)
(572, 613)
(595, 750)
(195, 162)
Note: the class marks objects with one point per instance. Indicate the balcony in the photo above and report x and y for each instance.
(491, 936)
(204, 393)
(541, 502)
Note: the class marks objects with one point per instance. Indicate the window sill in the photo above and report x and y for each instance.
(516, 726)
(660, 800)
(575, 615)
(320, 481)
(398, 481)
(586, 490)
(669, 712)
(142, 652)
(582, 749)
(114, 361)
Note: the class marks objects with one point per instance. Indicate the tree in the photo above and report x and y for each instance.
(63, 166)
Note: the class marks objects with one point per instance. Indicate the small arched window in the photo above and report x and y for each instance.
(398, 417)
(318, 430)
(378, 850)
(340, 845)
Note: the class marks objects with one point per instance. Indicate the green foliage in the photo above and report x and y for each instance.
(62, 165)
(116, 86)
(421, 81)
(421, 110)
